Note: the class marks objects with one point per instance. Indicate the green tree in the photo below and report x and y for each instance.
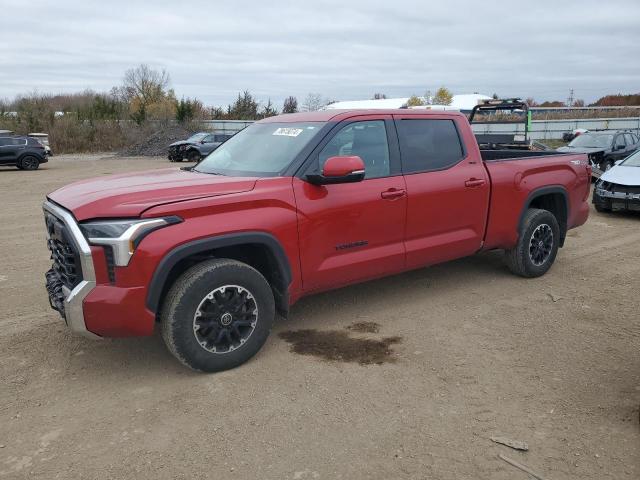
(290, 105)
(415, 101)
(443, 97)
(268, 110)
(244, 108)
(188, 110)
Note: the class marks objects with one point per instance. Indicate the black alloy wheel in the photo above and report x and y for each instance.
(225, 319)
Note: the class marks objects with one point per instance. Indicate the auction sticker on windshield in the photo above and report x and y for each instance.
(288, 132)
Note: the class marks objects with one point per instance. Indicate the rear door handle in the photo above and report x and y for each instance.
(393, 193)
(474, 182)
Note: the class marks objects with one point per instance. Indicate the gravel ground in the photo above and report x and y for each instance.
(469, 352)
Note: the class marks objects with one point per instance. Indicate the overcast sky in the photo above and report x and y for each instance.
(345, 50)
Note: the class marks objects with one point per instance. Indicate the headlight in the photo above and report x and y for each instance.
(123, 236)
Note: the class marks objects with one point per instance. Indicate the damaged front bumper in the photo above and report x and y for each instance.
(67, 298)
(617, 197)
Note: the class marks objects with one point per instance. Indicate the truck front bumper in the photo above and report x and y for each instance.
(71, 253)
(90, 305)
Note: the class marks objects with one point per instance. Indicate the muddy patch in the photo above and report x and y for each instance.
(337, 345)
(364, 327)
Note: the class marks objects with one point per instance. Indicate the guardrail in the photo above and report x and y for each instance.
(225, 126)
(553, 129)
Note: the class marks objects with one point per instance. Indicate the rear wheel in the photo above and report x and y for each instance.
(217, 315)
(537, 245)
(29, 162)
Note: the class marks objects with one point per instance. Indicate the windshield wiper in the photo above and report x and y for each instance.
(193, 169)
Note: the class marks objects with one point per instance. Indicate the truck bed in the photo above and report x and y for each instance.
(564, 176)
(507, 154)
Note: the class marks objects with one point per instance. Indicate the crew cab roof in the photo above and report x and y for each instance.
(336, 115)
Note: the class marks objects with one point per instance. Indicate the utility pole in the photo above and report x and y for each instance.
(570, 99)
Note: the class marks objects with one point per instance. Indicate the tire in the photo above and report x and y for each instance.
(29, 162)
(210, 297)
(537, 245)
(602, 205)
(193, 156)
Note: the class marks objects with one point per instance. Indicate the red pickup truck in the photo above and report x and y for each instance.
(290, 206)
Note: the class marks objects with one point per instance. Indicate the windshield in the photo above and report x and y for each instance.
(632, 160)
(589, 140)
(196, 137)
(262, 149)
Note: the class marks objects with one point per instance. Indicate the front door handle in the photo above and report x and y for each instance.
(393, 193)
(474, 182)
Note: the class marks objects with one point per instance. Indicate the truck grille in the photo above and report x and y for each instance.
(65, 259)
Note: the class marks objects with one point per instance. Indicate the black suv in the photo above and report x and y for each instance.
(603, 148)
(23, 152)
(196, 146)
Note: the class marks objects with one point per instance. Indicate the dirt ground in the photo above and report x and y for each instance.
(469, 351)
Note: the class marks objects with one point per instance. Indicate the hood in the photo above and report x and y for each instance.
(629, 176)
(581, 149)
(129, 195)
(180, 142)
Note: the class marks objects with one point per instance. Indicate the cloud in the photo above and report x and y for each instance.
(345, 50)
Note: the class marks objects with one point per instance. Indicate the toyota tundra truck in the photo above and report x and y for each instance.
(293, 205)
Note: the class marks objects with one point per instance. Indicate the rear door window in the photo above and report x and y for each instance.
(428, 144)
(620, 141)
(629, 139)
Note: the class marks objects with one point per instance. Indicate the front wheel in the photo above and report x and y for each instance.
(537, 245)
(217, 315)
(29, 163)
(194, 156)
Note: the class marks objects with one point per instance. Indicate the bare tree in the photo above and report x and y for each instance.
(313, 102)
(143, 86)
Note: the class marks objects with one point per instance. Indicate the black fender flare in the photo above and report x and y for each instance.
(171, 259)
(539, 192)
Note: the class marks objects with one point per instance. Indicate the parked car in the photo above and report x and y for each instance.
(576, 132)
(196, 147)
(43, 138)
(619, 187)
(23, 152)
(294, 205)
(603, 148)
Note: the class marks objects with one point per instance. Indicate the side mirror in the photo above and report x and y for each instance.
(347, 169)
